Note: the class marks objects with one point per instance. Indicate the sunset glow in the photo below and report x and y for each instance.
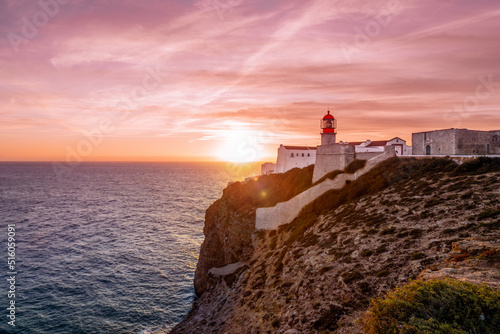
(231, 80)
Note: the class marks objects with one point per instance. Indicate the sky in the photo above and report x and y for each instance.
(169, 80)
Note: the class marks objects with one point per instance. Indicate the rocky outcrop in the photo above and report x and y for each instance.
(403, 220)
(228, 239)
(473, 260)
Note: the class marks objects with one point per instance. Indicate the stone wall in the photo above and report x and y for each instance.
(456, 142)
(439, 142)
(367, 155)
(476, 142)
(332, 157)
(285, 212)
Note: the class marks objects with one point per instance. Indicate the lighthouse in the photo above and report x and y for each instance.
(328, 125)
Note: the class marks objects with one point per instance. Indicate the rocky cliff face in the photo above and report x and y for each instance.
(230, 221)
(228, 239)
(403, 220)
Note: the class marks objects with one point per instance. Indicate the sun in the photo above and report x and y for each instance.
(240, 147)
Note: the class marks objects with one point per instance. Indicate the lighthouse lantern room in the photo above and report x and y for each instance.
(328, 125)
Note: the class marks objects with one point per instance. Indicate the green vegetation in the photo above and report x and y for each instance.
(392, 172)
(331, 176)
(387, 173)
(438, 306)
(268, 190)
(355, 166)
(477, 166)
(490, 213)
(351, 276)
(417, 256)
(329, 319)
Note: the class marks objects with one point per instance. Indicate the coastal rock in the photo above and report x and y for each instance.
(318, 273)
(228, 239)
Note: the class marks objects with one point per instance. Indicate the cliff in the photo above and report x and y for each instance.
(230, 221)
(403, 220)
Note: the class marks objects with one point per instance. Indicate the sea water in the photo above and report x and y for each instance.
(104, 247)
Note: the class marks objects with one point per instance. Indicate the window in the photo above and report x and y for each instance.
(302, 155)
(487, 148)
(308, 154)
(292, 155)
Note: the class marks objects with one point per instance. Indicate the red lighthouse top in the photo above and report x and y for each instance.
(328, 116)
(328, 123)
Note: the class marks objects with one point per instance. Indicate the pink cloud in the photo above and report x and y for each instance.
(248, 62)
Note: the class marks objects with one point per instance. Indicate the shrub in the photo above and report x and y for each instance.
(331, 175)
(467, 195)
(366, 253)
(382, 273)
(382, 249)
(390, 172)
(389, 230)
(437, 306)
(490, 213)
(329, 319)
(354, 166)
(480, 165)
(432, 202)
(324, 270)
(351, 276)
(417, 256)
(268, 190)
(458, 257)
(416, 233)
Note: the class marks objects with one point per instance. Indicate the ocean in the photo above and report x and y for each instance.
(104, 247)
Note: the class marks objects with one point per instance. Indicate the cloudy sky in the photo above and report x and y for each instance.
(232, 79)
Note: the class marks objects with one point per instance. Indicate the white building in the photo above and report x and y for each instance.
(378, 146)
(267, 168)
(294, 157)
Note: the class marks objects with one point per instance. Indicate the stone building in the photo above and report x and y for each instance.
(456, 142)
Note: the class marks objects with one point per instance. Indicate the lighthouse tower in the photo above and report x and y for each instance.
(331, 156)
(328, 125)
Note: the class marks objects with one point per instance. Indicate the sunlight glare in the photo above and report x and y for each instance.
(240, 147)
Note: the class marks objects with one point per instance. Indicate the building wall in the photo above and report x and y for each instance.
(476, 142)
(456, 142)
(332, 157)
(369, 149)
(267, 168)
(367, 155)
(400, 146)
(398, 143)
(285, 161)
(441, 142)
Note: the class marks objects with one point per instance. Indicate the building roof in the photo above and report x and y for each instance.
(378, 143)
(373, 143)
(396, 138)
(455, 129)
(299, 148)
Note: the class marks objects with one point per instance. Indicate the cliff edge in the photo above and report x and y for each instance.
(405, 219)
